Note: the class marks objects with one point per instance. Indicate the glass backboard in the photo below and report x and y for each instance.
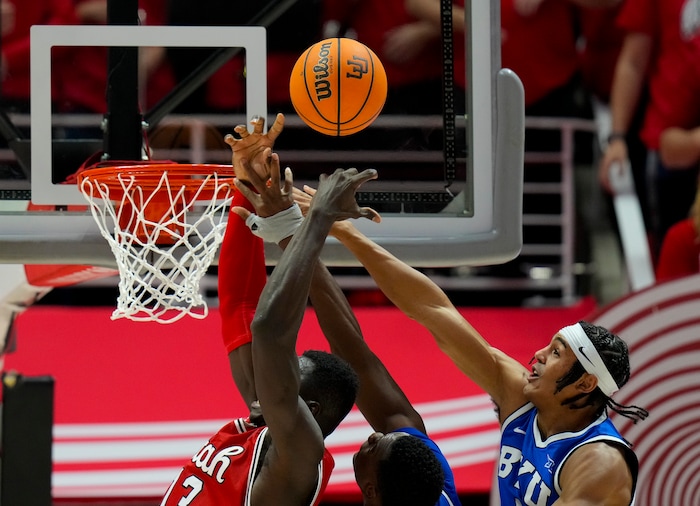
(452, 200)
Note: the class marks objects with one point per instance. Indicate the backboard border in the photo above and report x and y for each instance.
(44, 37)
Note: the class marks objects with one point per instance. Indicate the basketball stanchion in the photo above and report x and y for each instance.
(164, 223)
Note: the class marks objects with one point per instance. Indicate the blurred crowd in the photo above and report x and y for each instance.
(633, 63)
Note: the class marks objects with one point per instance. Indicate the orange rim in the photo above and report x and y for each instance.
(188, 180)
(148, 177)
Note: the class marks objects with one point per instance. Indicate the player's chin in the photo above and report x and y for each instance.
(529, 389)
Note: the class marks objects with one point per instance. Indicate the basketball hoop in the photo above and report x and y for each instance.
(164, 223)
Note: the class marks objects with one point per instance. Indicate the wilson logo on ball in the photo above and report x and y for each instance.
(321, 73)
(338, 86)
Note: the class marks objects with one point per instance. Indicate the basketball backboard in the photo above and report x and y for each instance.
(466, 214)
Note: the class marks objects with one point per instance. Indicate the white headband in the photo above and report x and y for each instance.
(588, 356)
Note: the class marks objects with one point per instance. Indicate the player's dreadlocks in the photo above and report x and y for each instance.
(615, 354)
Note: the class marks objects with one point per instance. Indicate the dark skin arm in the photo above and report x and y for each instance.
(289, 473)
(381, 401)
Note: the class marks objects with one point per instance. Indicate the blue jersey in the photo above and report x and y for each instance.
(529, 467)
(449, 493)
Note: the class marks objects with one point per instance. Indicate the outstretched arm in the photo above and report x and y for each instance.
(422, 300)
(679, 147)
(628, 83)
(297, 438)
(381, 401)
(242, 272)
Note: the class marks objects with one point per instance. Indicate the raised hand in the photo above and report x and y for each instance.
(614, 158)
(335, 195)
(251, 146)
(304, 196)
(270, 196)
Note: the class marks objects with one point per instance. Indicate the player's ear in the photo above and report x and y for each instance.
(587, 383)
(314, 407)
(369, 492)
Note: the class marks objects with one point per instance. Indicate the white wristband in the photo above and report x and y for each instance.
(276, 227)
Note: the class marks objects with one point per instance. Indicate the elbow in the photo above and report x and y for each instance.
(679, 148)
(263, 327)
(671, 160)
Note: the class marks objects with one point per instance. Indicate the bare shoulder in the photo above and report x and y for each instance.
(598, 473)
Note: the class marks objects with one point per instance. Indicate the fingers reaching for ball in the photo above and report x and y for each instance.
(251, 145)
(303, 197)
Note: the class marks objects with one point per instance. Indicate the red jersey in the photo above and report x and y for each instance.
(242, 277)
(83, 77)
(539, 48)
(15, 43)
(680, 252)
(372, 21)
(223, 471)
(668, 70)
(603, 41)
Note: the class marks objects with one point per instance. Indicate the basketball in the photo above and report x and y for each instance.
(338, 86)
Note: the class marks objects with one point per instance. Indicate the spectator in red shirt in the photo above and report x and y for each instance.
(409, 48)
(602, 42)
(21, 15)
(287, 37)
(7, 13)
(654, 56)
(680, 251)
(539, 43)
(84, 79)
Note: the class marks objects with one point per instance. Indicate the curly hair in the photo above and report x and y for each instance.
(615, 354)
(411, 474)
(332, 383)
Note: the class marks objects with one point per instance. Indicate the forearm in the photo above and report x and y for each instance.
(422, 300)
(679, 148)
(380, 399)
(292, 276)
(276, 325)
(628, 81)
(410, 290)
(336, 318)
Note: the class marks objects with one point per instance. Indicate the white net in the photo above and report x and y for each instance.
(164, 236)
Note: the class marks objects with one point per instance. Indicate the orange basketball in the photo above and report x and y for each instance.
(338, 86)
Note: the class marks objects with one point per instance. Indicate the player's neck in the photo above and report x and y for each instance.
(564, 420)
